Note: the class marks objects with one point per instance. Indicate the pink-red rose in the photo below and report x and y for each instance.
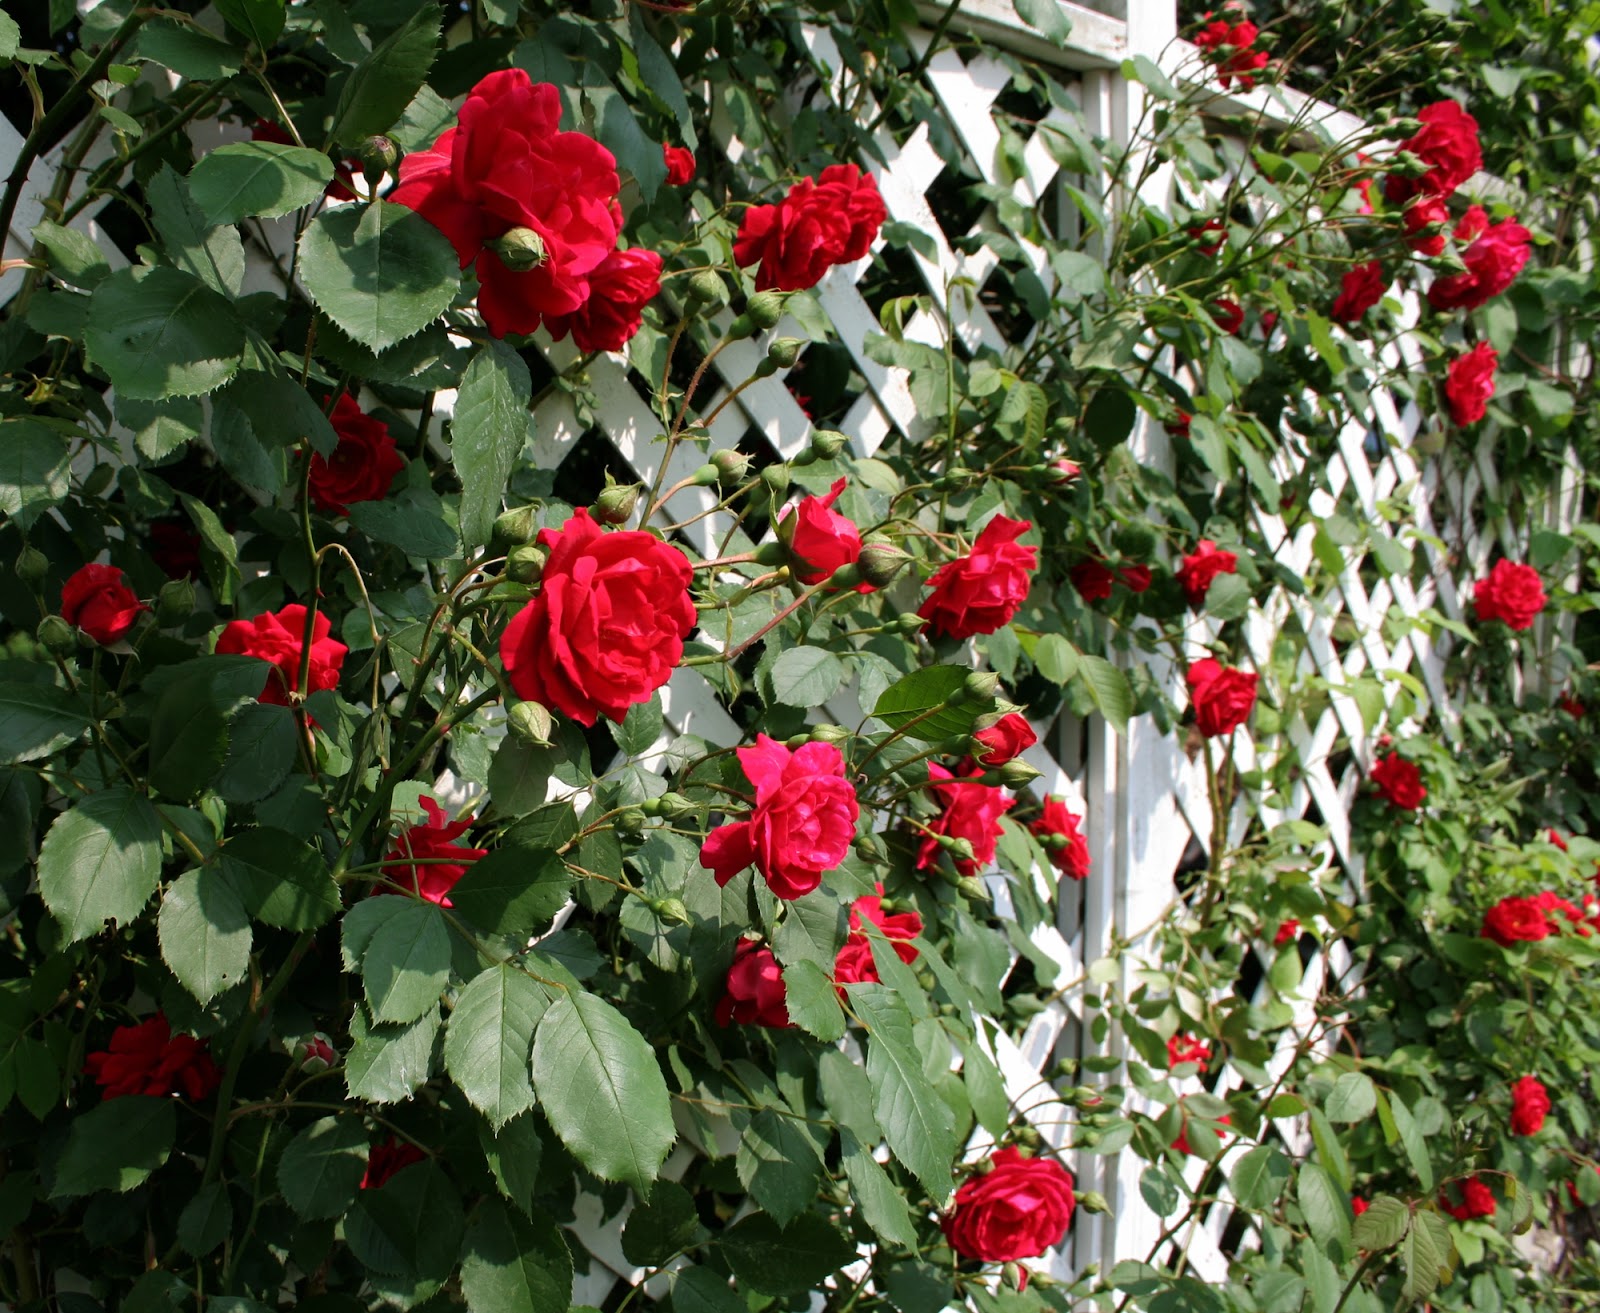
(854, 963)
(1363, 287)
(1447, 142)
(1056, 823)
(1477, 1200)
(1469, 383)
(1399, 781)
(1530, 1102)
(279, 637)
(802, 822)
(978, 593)
(1228, 315)
(149, 1059)
(388, 1158)
(1228, 46)
(754, 994)
(1516, 920)
(362, 466)
(1187, 1048)
(1092, 579)
(97, 601)
(620, 287)
(680, 164)
(1201, 566)
(1511, 593)
(1425, 220)
(1004, 739)
(1472, 225)
(1287, 933)
(1222, 696)
(971, 811)
(607, 626)
(1358, 1205)
(1493, 262)
(1019, 1208)
(820, 539)
(825, 221)
(427, 860)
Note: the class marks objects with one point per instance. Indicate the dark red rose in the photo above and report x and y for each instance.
(1178, 427)
(1399, 781)
(1469, 383)
(1571, 706)
(1493, 262)
(427, 859)
(820, 223)
(1209, 246)
(1476, 1200)
(1287, 933)
(1135, 578)
(854, 963)
(1007, 737)
(1447, 143)
(1092, 579)
(278, 637)
(1203, 565)
(971, 811)
(1472, 225)
(1555, 837)
(619, 289)
(1425, 219)
(1529, 1105)
(1227, 45)
(1363, 287)
(754, 994)
(1056, 822)
(1358, 1205)
(1228, 315)
(680, 164)
(344, 171)
(1512, 594)
(97, 601)
(980, 592)
(149, 1059)
(507, 167)
(801, 825)
(1515, 920)
(820, 539)
(388, 1158)
(607, 626)
(1019, 1208)
(1187, 1048)
(362, 466)
(1222, 696)
(175, 548)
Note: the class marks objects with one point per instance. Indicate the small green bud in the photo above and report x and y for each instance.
(517, 526)
(971, 887)
(909, 622)
(672, 805)
(629, 822)
(960, 849)
(880, 561)
(378, 156)
(530, 722)
(982, 686)
(670, 910)
(765, 309)
(174, 603)
(520, 250)
(731, 466)
(776, 477)
(706, 289)
(56, 634)
(740, 327)
(766, 368)
(835, 734)
(828, 443)
(1087, 1139)
(616, 502)
(869, 847)
(1017, 774)
(525, 564)
(32, 567)
(784, 351)
(847, 575)
(1092, 1201)
(1027, 1137)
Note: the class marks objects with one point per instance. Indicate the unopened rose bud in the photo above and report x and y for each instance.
(982, 686)
(828, 443)
(672, 805)
(960, 849)
(776, 477)
(1015, 1276)
(1092, 1201)
(314, 1056)
(1054, 842)
(880, 562)
(765, 309)
(834, 734)
(530, 722)
(520, 250)
(670, 910)
(784, 351)
(731, 466)
(766, 367)
(909, 622)
(740, 327)
(56, 634)
(708, 475)
(629, 822)
(378, 156)
(174, 603)
(616, 503)
(514, 527)
(1086, 1095)
(1017, 774)
(1027, 1137)
(525, 564)
(1087, 1140)
(1066, 470)
(869, 847)
(971, 887)
(31, 567)
(707, 290)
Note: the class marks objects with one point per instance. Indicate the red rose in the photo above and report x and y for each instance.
(1469, 383)
(971, 812)
(1515, 920)
(1066, 470)
(854, 963)
(1092, 579)
(1447, 143)
(820, 539)
(1529, 1104)
(1472, 225)
(1203, 565)
(1554, 836)
(388, 1158)
(607, 627)
(801, 825)
(1187, 1048)
(1570, 705)
(362, 466)
(149, 1059)
(820, 223)
(1019, 1208)
(980, 592)
(1288, 933)
(1363, 287)
(619, 289)
(1476, 1200)
(1135, 578)
(1228, 315)
(1493, 262)
(1056, 822)
(95, 599)
(1512, 593)
(507, 167)
(1228, 46)
(1399, 781)
(754, 994)
(427, 859)
(1553, 905)
(1005, 739)
(1209, 247)
(1222, 696)
(680, 164)
(1178, 426)
(1358, 1205)
(1181, 1143)
(1426, 218)
(278, 638)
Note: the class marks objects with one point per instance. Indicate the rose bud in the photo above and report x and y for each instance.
(670, 910)
(880, 562)
(1017, 774)
(56, 634)
(731, 466)
(524, 564)
(530, 722)
(828, 443)
(981, 686)
(706, 289)
(32, 566)
(378, 156)
(515, 527)
(616, 502)
(784, 351)
(765, 309)
(521, 250)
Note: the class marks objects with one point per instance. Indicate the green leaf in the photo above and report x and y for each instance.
(602, 1090)
(204, 933)
(264, 178)
(74, 258)
(1353, 1099)
(189, 52)
(36, 720)
(160, 332)
(1326, 1211)
(660, 74)
(412, 519)
(162, 427)
(1228, 597)
(280, 411)
(387, 1064)
(806, 676)
(666, 1225)
(813, 930)
(789, 1260)
(322, 1167)
(882, 1202)
(280, 880)
(923, 697)
(487, 433)
(410, 1228)
(206, 1220)
(489, 1043)
(1109, 418)
(188, 743)
(1426, 1253)
(515, 890)
(33, 476)
(1108, 689)
(378, 91)
(101, 861)
(260, 20)
(813, 1001)
(407, 962)
(917, 1123)
(519, 776)
(212, 254)
(10, 37)
(218, 551)
(1258, 1178)
(1143, 69)
(700, 1290)
(847, 1095)
(1413, 1141)
(1055, 658)
(1382, 1225)
(1045, 16)
(381, 272)
(514, 1153)
(115, 1146)
(511, 1264)
(778, 1164)
(261, 753)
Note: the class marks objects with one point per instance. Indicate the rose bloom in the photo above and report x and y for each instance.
(278, 637)
(1005, 739)
(971, 812)
(1181, 1143)
(1493, 262)
(1228, 45)
(1228, 315)
(1529, 1104)
(1222, 696)
(1472, 225)
(1198, 235)
(1516, 920)
(607, 626)
(97, 601)
(1569, 704)
(1399, 781)
(1358, 1205)
(801, 825)
(980, 592)
(1288, 933)
(1178, 426)
(1425, 219)
(619, 289)
(680, 164)
(433, 860)
(1554, 836)
(1554, 906)
(1476, 1200)
(1447, 142)
(388, 1158)
(1363, 287)
(507, 166)
(1203, 565)
(854, 963)
(1512, 594)
(1187, 1048)
(1469, 383)
(1135, 578)
(149, 1059)
(754, 994)
(362, 466)
(820, 539)
(1055, 820)
(1019, 1208)
(832, 219)
(1092, 579)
